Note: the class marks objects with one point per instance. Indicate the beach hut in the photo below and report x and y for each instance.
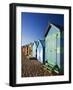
(40, 51)
(25, 50)
(30, 50)
(34, 49)
(54, 45)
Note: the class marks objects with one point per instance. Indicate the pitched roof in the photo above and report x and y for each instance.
(61, 28)
(36, 42)
(42, 42)
(26, 45)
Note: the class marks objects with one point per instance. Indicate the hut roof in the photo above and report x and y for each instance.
(27, 45)
(42, 42)
(61, 28)
(36, 42)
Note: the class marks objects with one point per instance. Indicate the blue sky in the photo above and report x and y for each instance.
(34, 25)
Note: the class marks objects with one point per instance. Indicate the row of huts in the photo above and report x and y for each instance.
(35, 50)
(51, 49)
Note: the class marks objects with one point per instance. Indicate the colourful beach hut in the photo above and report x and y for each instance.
(40, 51)
(34, 49)
(54, 46)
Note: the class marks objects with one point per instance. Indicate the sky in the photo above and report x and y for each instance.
(33, 25)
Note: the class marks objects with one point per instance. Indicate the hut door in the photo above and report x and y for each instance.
(39, 54)
(52, 49)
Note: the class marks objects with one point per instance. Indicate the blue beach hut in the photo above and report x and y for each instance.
(40, 51)
(54, 46)
(34, 49)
